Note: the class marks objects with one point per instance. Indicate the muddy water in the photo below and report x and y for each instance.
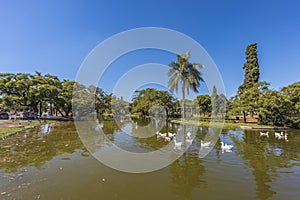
(52, 163)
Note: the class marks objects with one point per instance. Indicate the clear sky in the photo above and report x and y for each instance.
(55, 36)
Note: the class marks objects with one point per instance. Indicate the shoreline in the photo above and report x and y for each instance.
(9, 127)
(228, 125)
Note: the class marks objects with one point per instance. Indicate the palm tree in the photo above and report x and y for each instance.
(185, 73)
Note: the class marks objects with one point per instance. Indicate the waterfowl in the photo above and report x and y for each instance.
(177, 144)
(161, 135)
(171, 135)
(281, 135)
(167, 138)
(189, 141)
(205, 144)
(266, 134)
(226, 146)
(189, 135)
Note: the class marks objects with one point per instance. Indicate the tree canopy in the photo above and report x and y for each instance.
(35, 91)
(144, 99)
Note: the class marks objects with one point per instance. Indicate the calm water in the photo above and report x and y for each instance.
(51, 163)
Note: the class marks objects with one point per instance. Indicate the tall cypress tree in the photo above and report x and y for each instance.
(249, 91)
(251, 68)
(214, 100)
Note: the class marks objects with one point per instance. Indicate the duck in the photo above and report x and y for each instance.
(189, 135)
(205, 144)
(189, 141)
(281, 135)
(158, 134)
(168, 138)
(177, 144)
(226, 146)
(161, 135)
(171, 135)
(266, 134)
(277, 135)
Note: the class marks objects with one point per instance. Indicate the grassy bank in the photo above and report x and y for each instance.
(226, 125)
(9, 128)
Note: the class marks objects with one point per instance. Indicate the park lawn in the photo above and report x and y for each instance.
(226, 125)
(9, 130)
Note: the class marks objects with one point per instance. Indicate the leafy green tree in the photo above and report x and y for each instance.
(147, 98)
(63, 100)
(185, 73)
(274, 108)
(19, 88)
(204, 104)
(281, 108)
(248, 101)
(37, 91)
(28, 90)
(292, 92)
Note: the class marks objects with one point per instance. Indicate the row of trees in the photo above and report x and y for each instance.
(254, 99)
(37, 93)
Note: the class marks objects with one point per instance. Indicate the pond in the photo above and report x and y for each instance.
(51, 162)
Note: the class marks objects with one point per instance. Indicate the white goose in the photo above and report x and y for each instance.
(226, 146)
(266, 134)
(161, 135)
(189, 141)
(205, 144)
(189, 135)
(177, 144)
(171, 135)
(168, 139)
(281, 136)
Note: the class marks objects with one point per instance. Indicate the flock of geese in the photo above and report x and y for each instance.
(172, 136)
(280, 136)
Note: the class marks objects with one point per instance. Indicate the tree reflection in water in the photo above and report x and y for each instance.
(187, 173)
(28, 148)
(261, 154)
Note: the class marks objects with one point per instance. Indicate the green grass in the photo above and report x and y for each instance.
(6, 131)
(228, 124)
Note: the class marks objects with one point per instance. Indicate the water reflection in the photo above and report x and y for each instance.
(34, 147)
(261, 167)
(265, 156)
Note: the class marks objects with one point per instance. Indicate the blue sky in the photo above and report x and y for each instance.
(55, 36)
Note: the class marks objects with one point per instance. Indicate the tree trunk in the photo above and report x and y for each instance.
(183, 101)
(35, 107)
(61, 113)
(51, 109)
(251, 114)
(245, 119)
(41, 107)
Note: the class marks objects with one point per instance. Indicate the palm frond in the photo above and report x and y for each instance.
(172, 71)
(173, 82)
(185, 72)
